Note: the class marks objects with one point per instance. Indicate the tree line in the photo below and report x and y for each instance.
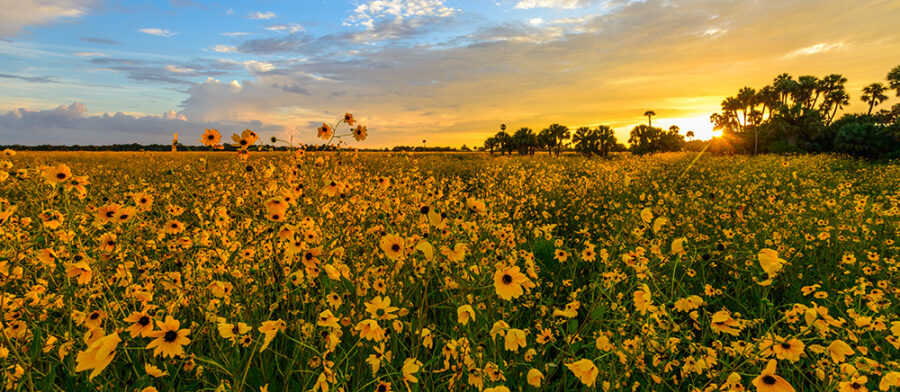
(801, 115)
(599, 140)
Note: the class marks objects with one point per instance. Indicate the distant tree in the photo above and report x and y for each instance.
(559, 135)
(546, 140)
(689, 135)
(504, 142)
(490, 144)
(525, 140)
(594, 141)
(607, 139)
(586, 141)
(644, 139)
(649, 115)
(874, 94)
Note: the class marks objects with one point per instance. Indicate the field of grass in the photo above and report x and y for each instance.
(380, 272)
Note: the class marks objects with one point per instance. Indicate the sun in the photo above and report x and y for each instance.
(702, 127)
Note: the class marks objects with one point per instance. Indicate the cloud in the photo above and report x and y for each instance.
(159, 71)
(90, 54)
(817, 48)
(20, 13)
(563, 4)
(32, 79)
(98, 40)
(235, 34)
(399, 11)
(176, 69)
(262, 15)
(225, 49)
(158, 32)
(71, 125)
(259, 66)
(290, 27)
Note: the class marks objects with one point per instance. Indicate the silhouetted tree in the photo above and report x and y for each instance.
(559, 134)
(649, 115)
(873, 95)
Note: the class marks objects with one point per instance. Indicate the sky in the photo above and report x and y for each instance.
(448, 72)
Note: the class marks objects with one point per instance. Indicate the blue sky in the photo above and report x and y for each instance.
(449, 71)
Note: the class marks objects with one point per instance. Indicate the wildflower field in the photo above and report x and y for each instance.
(345, 271)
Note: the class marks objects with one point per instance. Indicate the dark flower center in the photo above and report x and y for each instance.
(507, 279)
(61, 176)
(382, 388)
(424, 209)
(95, 316)
(786, 346)
(171, 336)
(144, 320)
(769, 380)
(395, 247)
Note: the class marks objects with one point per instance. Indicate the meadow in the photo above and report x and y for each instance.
(345, 271)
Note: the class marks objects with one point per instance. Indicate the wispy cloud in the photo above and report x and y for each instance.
(817, 48)
(290, 27)
(258, 15)
(90, 54)
(98, 40)
(32, 79)
(235, 34)
(158, 32)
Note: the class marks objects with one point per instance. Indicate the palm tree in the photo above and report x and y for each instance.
(524, 139)
(873, 94)
(545, 140)
(893, 78)
(606, 138)
(586, 141)
(559, 133)
(650, 115)
(689, 134)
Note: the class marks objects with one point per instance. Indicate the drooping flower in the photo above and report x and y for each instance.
(585, 370)
(769, 261)
(464, 314)
(269, 329)
(98, 355)
(534, 378)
